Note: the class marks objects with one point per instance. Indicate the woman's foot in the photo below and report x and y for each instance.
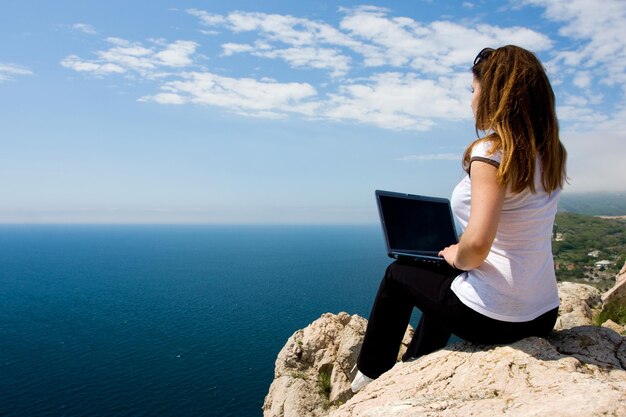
(359, 382)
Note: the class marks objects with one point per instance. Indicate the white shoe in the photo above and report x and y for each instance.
(359, 382)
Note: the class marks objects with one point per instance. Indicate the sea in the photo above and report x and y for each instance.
(167, 320)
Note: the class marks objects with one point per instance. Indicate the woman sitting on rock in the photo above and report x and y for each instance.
(498, 285)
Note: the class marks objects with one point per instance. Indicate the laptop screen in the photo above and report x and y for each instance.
(416, 224)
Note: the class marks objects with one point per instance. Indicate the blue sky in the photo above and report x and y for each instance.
(278, 111)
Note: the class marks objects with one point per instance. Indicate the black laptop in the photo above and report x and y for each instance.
(416, 227)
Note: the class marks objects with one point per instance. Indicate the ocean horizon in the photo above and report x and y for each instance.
(167, 320)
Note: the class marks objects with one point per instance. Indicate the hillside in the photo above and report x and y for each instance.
(589, 249)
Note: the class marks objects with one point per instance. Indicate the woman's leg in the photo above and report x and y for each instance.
(404, 287)
(476, 328)
(430, 335)
(428, 288)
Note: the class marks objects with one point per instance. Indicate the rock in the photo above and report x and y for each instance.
(577, 304)
(577, 371)
(618, 292)
(529, 378)
(610, 324)
(592, 345)
(329, 346)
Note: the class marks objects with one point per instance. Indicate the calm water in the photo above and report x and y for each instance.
(166, 320)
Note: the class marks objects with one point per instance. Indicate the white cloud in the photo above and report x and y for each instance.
(579, 115)
(600, 25)
(133, 57)
(236, 48)
(207, 18)
(598, 56)
(300, 57)
(393, 72)
(77, 64)
(85, 28)
(595, 137)
(400, 101)
(376, 69)
(165, 98)
(118, 41)
(393, 41)
(390, 100)
(286, 29)
(582, 79)
(575, 101)
(297, 41)
(306, 57)
(177, 54)
(429, 85)
(243, 95)
(126, 56)
(435, 48)
(432, 60)
(9, 71)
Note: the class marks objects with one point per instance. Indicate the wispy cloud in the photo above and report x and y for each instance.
(126, 56)
(302, 43)
(9, 71)
(380, 40)
(439, 47)
(400, 101)
(383, 70)
(598, 58)
(100, 68)
(85, 28)
(595, 61)
(248, 96)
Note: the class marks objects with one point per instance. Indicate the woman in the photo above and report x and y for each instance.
(498, 285)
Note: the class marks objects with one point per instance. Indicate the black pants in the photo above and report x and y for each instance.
(408, 285)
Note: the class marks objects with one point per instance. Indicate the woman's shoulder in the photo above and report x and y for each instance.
(486, 148)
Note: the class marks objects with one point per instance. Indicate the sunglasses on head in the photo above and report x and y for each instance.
(482, 55)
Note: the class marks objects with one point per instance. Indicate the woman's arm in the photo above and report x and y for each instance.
(487, 197)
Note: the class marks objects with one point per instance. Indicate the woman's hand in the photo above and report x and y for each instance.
(449, 254)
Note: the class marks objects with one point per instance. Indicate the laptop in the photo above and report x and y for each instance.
(416, 227)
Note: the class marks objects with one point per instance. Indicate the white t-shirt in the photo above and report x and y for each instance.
(516, 282)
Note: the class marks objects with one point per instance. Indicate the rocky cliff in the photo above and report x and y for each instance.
(618, 292)
(578, 371)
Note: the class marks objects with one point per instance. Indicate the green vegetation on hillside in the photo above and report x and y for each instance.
(615, 310)
(580, 244)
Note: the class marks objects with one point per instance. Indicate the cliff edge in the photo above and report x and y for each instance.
(580, 370)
